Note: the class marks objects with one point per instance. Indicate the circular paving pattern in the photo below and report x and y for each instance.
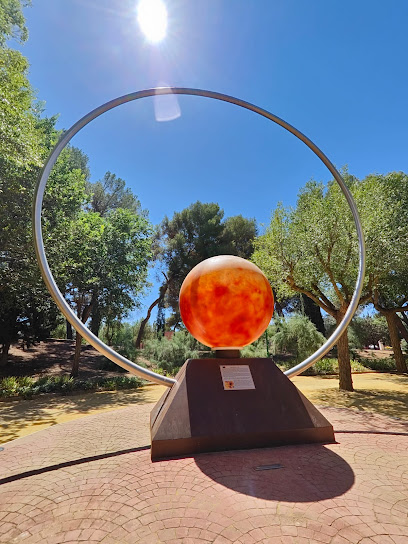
(91, 480)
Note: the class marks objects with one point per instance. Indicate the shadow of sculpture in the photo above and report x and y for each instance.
(305, 473)
(65, 464)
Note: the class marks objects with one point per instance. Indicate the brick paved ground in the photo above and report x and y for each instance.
(91, 480)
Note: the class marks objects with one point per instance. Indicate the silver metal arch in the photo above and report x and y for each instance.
(61, 302)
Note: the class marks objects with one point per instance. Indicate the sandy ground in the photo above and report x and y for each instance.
(381, 393)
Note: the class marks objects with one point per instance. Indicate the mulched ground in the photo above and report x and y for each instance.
(54, 358)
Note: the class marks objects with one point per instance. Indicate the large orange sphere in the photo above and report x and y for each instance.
(226, 302)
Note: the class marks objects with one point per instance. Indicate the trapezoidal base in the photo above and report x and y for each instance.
(227, 404)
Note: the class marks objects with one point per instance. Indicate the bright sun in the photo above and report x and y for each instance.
(152, 18)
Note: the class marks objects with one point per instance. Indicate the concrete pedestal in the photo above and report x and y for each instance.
(226, 404)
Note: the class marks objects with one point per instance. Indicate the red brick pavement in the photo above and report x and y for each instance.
(91, 480)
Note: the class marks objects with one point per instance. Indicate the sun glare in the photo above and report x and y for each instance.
(152, 18)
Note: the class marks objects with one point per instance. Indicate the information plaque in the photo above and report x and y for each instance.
(236, 377)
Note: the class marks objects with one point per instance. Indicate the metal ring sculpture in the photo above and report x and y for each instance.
(63, 305)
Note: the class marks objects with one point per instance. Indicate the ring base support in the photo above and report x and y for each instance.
(214, 407)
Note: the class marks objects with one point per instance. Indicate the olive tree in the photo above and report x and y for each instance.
(312, 249)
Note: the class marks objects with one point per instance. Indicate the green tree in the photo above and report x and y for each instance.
(370, 329)
(26, 309)
(18, 141)
(111, 193)
(189, 237)
(383, 201)
(106, 259)
(12, 21)
(239, 235)
(312, 249)
(105, 196)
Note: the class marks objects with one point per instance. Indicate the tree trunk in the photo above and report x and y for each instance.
(78, 340)
(70, 335)
(4, 354)
(77, 355)
(391, 318)
(403, 331)
(312, 311)
(96, 318)
(162, 292)
(404, 318)
(343, 355)
(278, 306)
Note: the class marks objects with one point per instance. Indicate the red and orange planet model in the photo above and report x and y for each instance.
(230, 402)
(226, 302)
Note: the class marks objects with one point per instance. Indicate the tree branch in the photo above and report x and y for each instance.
(369, 294)
(326, 301)
(329, 272)
(162, 292)
(401, 328)
(309, 294)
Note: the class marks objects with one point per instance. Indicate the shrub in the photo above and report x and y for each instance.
(296, 335)
(325, 366)
(27, 387)
(121, 337)
(384, 365)
(256, 349)
(171, 354)
(110, 366)
(60, 331)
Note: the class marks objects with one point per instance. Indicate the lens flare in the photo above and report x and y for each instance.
(152, 19)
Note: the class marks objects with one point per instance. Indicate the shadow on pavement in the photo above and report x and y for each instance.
(308, 473)
(59, 466)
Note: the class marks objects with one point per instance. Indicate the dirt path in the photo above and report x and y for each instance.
(381, 393)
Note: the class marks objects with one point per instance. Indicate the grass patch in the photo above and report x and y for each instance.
(27, 387)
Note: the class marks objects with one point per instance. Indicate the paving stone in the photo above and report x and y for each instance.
(91, 480)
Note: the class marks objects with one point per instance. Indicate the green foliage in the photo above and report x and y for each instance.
(20, 141)
(297, 336)
(195, 234)
(26, 309)
(383, 204)
(26, 387)
(256, 349)
(60, 331)
(121, 336)
(379, 364)
(171, 354)
(239, 235)
(326, 366)
(111, 193)
(12, 21)
(370, 330)
(110, 366)
(312, 248)
(106, 258)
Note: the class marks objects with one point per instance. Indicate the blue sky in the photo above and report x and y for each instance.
(336, 70)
